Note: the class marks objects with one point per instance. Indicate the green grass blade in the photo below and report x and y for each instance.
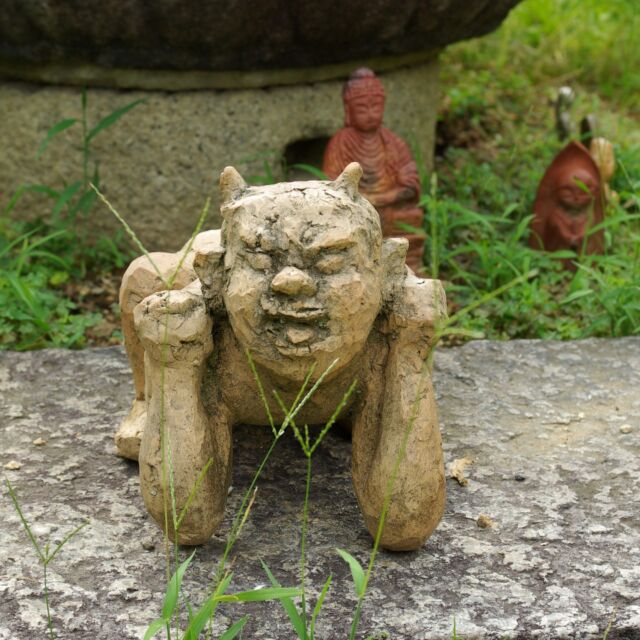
(200, 619)
(309, 394)
(563, 254)
(309, 168)
(65, 540)
(21, 238)
(196, 231)
(65, 196)
(131, 233)
(24, 188)
(112, 118)
(48, 238)
(57, 128)
(206, 611)
(576, 295)
(318, 607)
(154, 627)
(43, 189)
(289, 606)
(490, 296)
(234, 629)
(290, 421)
(189, 608)
(24, 292)
(85, 201)
(25, 524)
(263, 395)
(466, 333)
(408, 228)
(334, 417)
(357, 572)
(173, 589)
(193, 492)
(50, 257)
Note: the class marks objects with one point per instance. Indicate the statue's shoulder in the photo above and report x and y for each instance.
(338, 152)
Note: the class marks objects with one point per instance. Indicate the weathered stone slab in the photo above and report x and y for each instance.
(553, 429)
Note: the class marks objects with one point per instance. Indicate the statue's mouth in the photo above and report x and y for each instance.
(303, 316)
(294, 324)
(296, 311)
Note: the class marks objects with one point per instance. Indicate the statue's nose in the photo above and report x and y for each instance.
(293, 282)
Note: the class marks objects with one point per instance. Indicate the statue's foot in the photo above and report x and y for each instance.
(130, 431)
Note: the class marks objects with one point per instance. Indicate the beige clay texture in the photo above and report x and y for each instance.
(299, 276)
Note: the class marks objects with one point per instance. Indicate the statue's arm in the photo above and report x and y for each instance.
(179, 438)
(146, 275)
(399, 412)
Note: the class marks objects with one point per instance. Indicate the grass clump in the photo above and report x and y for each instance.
(495, 138)
(43, 552)
(41, 258)
(34, 312)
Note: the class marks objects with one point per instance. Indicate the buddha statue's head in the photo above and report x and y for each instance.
(363, 97)
(302, 271)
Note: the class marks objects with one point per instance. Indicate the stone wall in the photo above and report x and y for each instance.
(159, 163)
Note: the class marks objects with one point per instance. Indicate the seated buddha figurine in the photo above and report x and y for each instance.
(390, 181)
(569, 204)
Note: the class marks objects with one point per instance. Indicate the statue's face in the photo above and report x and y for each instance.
(303, 279)
(574, 195)
(575, 191)
(366, 111)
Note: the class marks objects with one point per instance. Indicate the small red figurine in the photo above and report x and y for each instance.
(569, 203)
(390, 181)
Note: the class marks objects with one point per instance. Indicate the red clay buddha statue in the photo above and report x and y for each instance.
(390, 181)
(568, 203)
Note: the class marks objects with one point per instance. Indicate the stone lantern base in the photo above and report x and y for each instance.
(159, 162)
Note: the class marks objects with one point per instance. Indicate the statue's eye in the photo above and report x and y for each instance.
(331, 263)
(258, 260)
(573, 197)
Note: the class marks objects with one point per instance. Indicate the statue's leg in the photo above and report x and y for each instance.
(139, 281)
(398, 406)
(185, 455)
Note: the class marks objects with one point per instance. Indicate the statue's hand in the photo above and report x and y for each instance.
(406, 194)
(417, 310)
(174, 326)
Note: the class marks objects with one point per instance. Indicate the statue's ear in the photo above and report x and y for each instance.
(349, 179)
(231, 184)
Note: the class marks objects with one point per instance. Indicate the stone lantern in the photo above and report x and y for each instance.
(226, 83)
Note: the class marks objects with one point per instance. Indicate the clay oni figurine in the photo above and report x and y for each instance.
(390, 182)
(298, 275)
(569, 204)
